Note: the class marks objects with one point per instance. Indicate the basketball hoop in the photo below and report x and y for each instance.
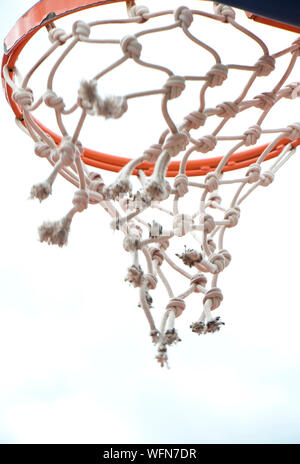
(129, 201)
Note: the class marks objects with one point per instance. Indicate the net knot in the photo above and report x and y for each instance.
(184, 15)
(152, 153)
(182, 224)
(208, 223)
(253, 173)
(195, 120)
(224, 10)
(156, 255)
(175, 143)
(205, 144)
(81, 200)
(175, 86)
(52, 100)
(177, 305)
(131, 46)
(265, 65)
(23, 97)
(181, 185)
(211, 182)
(267, 178)
(198, 279)
(232, 215)
(215, 296)
(293, 131)
(57, 35)
(151, 281)
(81, 29)
(139, 12)
(220, 260)
(228, 110)
(217, 75)
(67, 152)
(290, 91)
(42, 149)
(264, 101)
(252, 135)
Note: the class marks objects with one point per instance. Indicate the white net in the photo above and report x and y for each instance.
(176, 226)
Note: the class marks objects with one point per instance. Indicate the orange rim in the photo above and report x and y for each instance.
(48, 11)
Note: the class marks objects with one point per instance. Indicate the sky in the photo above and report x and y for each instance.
(76, 361)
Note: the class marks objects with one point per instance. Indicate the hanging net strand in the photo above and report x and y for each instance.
(148, 245)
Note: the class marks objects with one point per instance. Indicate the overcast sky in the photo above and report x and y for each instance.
(76, 361)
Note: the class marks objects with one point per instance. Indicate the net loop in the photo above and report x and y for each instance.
(214, 296)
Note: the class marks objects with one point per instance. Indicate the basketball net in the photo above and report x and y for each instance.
(148, 244)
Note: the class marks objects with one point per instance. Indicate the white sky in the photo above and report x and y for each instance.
(76, 363)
